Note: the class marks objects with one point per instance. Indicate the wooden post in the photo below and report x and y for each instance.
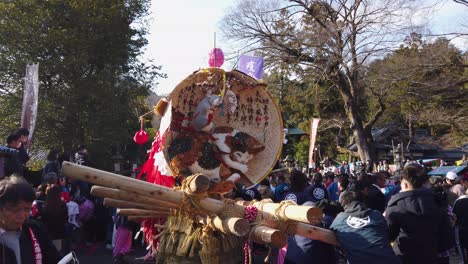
(141, 217)
(134, 186)
(139, 212)
(306, 214)
(154, 192)
(232, 225)
(130, 205)
(199, 183)
(316, 233)
(104, 192)
(266, 235)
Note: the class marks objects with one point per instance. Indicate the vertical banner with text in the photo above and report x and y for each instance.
(313, 138)
(30, 99)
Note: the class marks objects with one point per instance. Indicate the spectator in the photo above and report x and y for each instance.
(362, 232)
(456, 188)
(12, 163)
(298, 185)
(331, 179)
(123, 238)
(18, 232)
(393, 188)
(440, 196)
(54, 215)
(333, 192)
(301, 250)
(52, 164)
(344, 169)
(23, 135)
(281, 188)
(264, 189)
(460, 209)
(317, 191)
(415, 221)
(78, 187)
(375, 198)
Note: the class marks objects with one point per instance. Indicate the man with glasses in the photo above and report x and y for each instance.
(22, 241)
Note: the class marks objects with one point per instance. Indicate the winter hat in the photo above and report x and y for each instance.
(451, 175)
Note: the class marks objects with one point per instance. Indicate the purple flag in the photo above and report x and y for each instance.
(251, 65)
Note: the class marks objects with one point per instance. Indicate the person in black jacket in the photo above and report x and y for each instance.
(375, 197)
(52, 164)
(12, 162)
(317, 190)
(21, 240)
(302, 250)
(362, 232)
(417, 225)
(297, 192)
(460, 209)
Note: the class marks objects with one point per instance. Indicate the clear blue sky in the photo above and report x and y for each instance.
(182, 33)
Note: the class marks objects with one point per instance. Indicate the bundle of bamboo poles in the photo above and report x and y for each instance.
(142, 200)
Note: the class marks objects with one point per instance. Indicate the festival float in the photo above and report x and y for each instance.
(218, 128)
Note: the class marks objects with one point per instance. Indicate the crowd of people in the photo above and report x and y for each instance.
(407, 217)
(61, 212)
(377, 217)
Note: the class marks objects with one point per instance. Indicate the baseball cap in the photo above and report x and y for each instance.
(451, 175)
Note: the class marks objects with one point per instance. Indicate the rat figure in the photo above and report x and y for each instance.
(204, 113)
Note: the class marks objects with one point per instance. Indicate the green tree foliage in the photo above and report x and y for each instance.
(425, 85)
(92, 83)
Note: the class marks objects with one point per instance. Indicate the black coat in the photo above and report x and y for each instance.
(418, 226)
(375, 199)
(48, 250)
(460, 209)
(13, 165)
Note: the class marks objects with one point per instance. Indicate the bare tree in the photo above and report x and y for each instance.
(330, 40)
(464, 2)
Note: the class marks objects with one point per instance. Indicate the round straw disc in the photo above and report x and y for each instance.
(246, 106)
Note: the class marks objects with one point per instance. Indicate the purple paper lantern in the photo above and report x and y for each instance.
(216, 58)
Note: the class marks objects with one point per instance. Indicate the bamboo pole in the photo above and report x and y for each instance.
(139, 212)
(266, 235)
(129, 205)
(104, 192)
(232, 225)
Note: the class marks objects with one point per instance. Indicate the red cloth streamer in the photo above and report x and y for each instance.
(153, 175)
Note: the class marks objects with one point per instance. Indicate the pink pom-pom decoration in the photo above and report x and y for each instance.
(141, 137)
(216, 58)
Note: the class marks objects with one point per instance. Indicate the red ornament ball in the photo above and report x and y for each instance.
(141, 137)
(216, 58)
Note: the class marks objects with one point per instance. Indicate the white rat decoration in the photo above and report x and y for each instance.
(204, 113)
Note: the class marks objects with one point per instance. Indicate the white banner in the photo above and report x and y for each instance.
(313, 138)
(30, 99)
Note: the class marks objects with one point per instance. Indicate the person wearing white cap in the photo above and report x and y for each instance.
(456, 188)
